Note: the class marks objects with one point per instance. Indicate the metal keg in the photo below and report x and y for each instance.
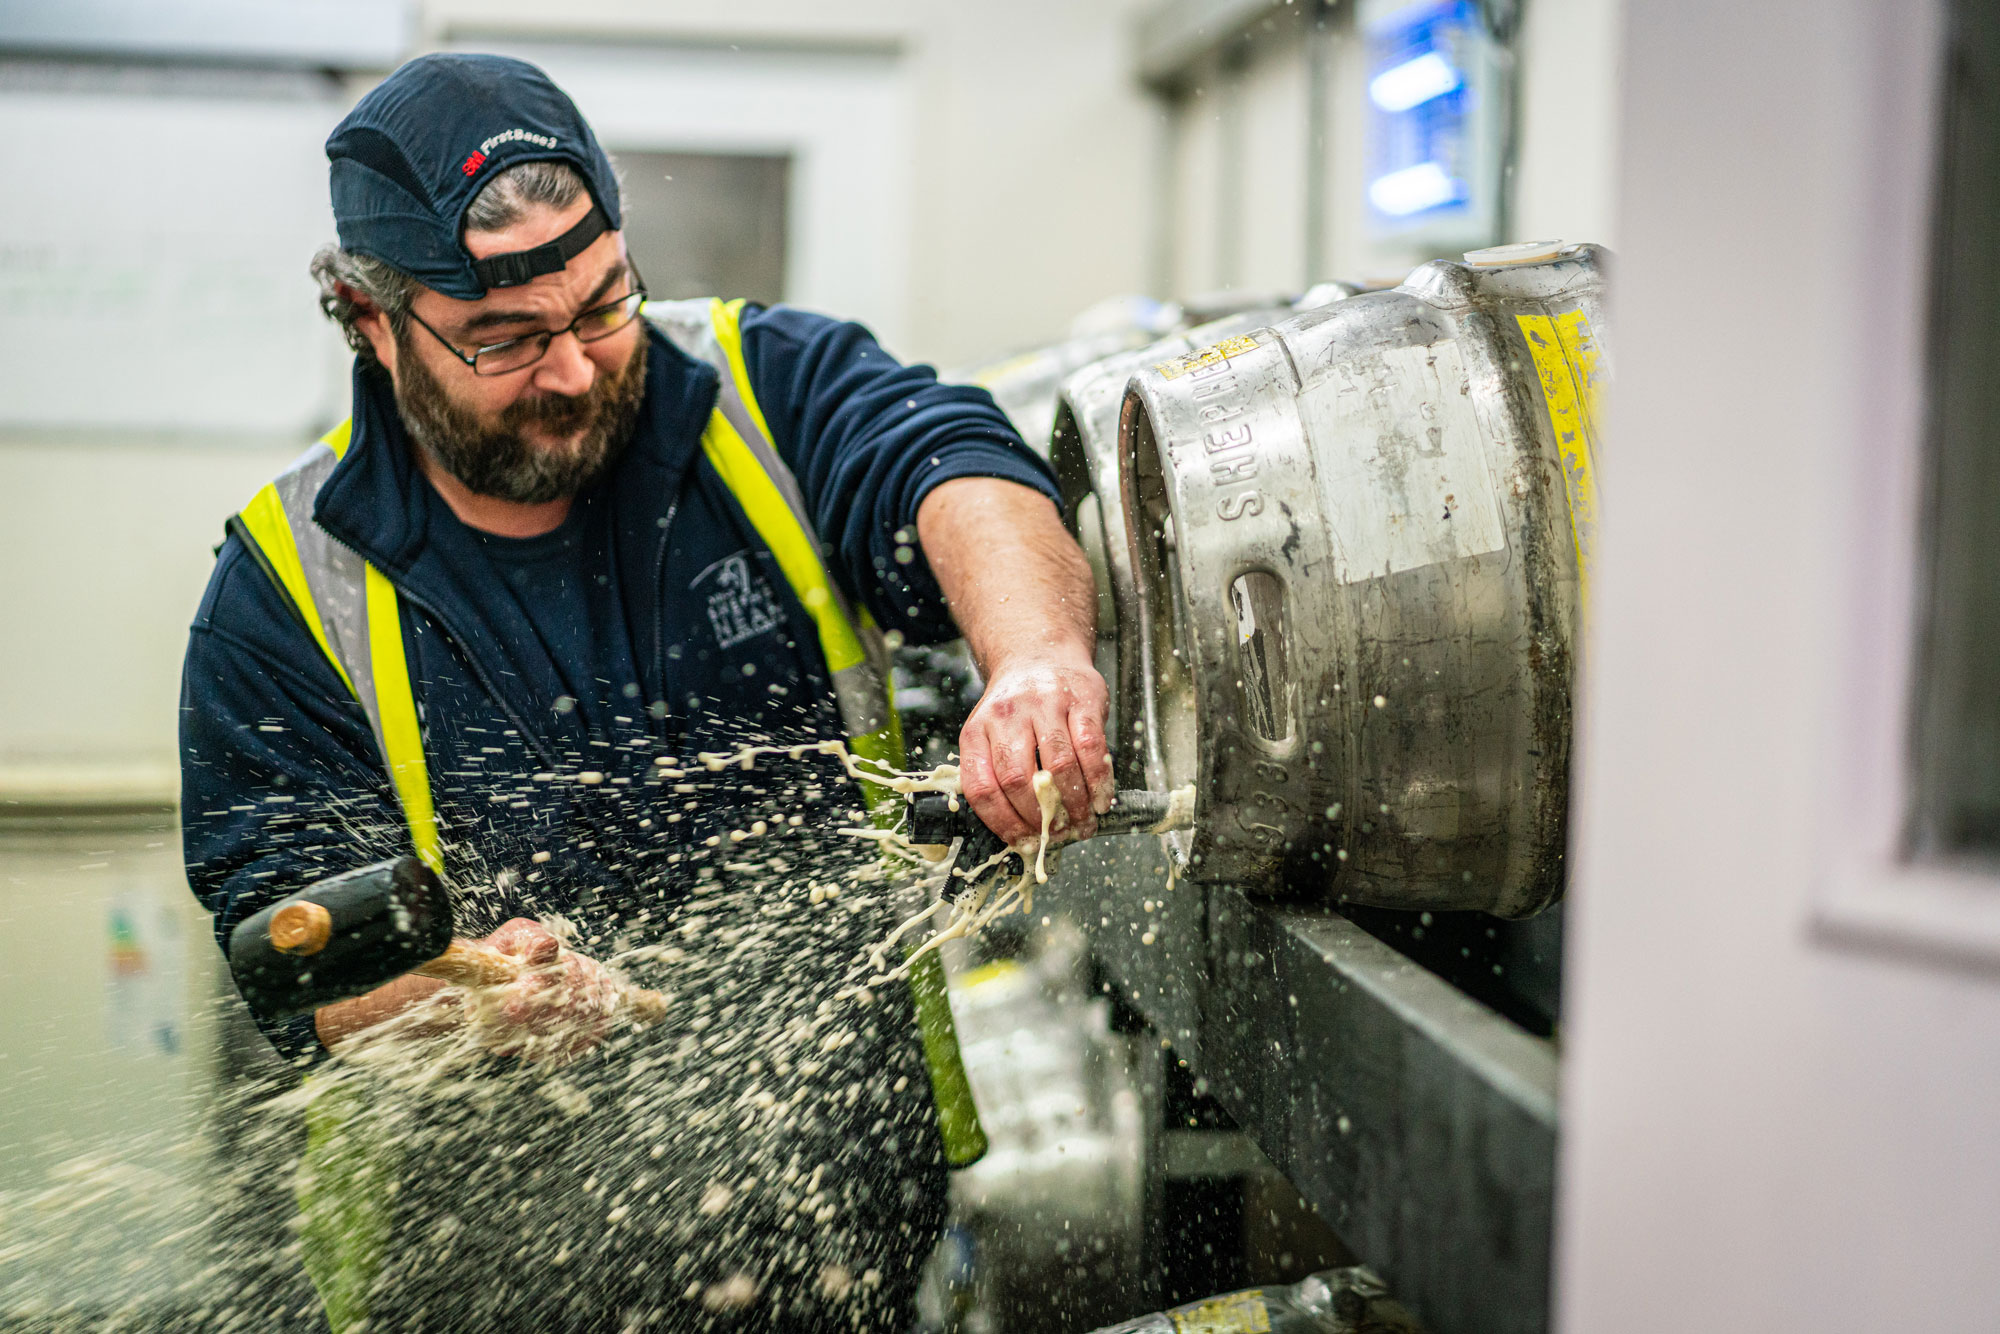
(1360, 542)
(1056, 1207)
(1025, 386)
(1083, 446)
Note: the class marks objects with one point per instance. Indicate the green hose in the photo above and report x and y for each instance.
(343, 1197)
(958, 1116)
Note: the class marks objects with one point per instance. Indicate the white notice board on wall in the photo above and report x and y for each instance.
(154, 248)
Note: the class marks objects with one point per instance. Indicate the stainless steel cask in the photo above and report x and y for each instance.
(1359, 543)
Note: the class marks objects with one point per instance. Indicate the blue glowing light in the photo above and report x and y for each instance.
(1412, 190)
(1414, 82)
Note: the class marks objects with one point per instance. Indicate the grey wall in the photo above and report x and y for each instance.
(1237, 213)
(1766, 1131)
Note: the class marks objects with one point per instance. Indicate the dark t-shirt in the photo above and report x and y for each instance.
(556, 588)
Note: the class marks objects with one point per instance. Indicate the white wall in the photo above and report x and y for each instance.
(106, 549)
(1271, 242)
(1570, 81)
(1763, 1132)
(1198, 123)
(981, 177)
(1034, 157)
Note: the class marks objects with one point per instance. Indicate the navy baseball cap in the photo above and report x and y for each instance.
(410, 157)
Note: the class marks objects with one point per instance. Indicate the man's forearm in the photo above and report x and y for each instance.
(1015, 580)
(1021, 592)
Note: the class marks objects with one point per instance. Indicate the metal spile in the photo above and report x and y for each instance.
(1361, 541)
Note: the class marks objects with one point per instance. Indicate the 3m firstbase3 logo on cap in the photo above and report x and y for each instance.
(477, 158)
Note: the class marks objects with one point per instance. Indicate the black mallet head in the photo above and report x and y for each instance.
(341, 937)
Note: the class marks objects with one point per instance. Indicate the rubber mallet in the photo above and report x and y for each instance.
(348, 934)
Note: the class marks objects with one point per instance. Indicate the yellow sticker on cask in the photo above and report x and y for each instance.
(992, 377)
(1579, 345)
(1236, 1313)
(1207, 356)
(1566, 360)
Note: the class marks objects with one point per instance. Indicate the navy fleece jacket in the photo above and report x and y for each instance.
(654, 622)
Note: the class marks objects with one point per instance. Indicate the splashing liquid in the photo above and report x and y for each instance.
(768, 1148)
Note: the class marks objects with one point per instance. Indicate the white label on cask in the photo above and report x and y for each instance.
(1401, 461)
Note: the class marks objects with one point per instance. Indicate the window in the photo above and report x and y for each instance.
(1913, 852)
(1955, 752)
(140, 252)
(707, 224)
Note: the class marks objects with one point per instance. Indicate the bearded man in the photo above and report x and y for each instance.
(567, 543)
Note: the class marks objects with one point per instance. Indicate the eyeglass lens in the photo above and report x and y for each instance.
(588, 328)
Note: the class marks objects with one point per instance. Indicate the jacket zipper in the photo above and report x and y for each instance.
(660, 615)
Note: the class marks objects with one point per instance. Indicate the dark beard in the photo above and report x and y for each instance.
(495, 459)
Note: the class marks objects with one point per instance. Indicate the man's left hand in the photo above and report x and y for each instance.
(559, 1007)
(1043, 711)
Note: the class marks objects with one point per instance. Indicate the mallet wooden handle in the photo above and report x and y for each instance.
(465, 964)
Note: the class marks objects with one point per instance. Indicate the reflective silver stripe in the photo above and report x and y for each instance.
(337, 578)
(688, 324)
(878, 661)
(685, 323)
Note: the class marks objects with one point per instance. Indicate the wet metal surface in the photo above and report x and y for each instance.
(1360, 540)
(1420, 1124)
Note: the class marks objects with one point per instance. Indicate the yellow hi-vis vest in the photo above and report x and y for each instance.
(353, 612)
(354, 615)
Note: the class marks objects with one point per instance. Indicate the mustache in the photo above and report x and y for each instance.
(563, 414)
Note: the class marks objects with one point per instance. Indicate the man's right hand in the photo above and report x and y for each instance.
(558, 1007)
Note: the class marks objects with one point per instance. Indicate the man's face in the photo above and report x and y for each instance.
(542, 432)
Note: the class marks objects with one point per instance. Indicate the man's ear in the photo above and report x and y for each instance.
(373, 324)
